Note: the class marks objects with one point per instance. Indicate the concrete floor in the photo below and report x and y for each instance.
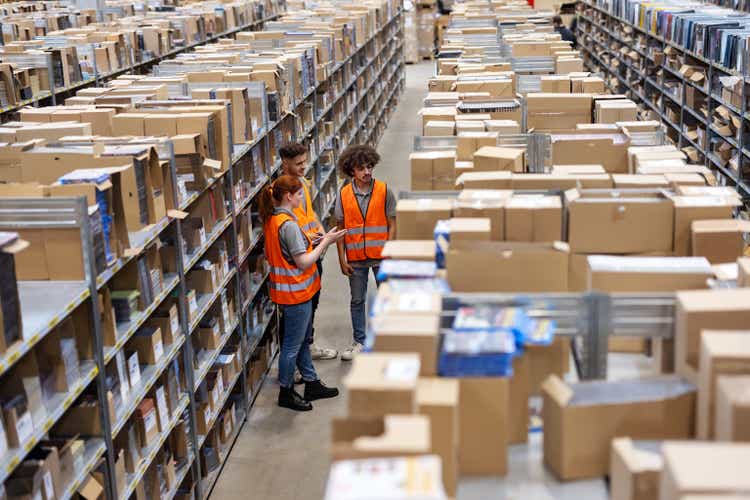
(282, 455)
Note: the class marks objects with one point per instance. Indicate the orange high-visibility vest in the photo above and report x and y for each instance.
(366, 234)
(288, 284)
(306, 217)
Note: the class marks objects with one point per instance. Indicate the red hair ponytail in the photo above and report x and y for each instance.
(271, 196)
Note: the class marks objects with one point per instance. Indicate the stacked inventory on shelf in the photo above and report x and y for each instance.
(160, 291)
(698, 89)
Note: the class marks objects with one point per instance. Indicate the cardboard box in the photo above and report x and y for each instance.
(685, 465)
(615, 111)
(387, 436)
(416, 219)
(698, 310)
(719, 240)
(533, 218)
(635, 470)
(433, 170)
(438, 399)
(743, 272)
(483, 426)
(604, 221)
(440, 128)
(484, 180)
(468, 143)
(556, 84)
(464, 126)
(380, 384)
(732, 408)
(552, 112)
(546, 360)
(403, 333)
(469, 229)
(608, 150)
(580, 420)
(560, 181)
(633, 181)
(518, 400)
(610, 273)
(690, 208)
(421, 250)
(493, 158)
(148, 343)
(502, 127)
(722, 353)
(485, 203)
(489, 266)
(577, 169)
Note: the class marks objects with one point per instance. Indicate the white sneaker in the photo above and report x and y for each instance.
(351, 351)
(318, 352)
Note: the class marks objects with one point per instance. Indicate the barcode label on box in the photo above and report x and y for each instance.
(174, 325)
(49, 487)
(25, 428)
(150, 422)
(402, 370)
(161, 403)
(134, 370)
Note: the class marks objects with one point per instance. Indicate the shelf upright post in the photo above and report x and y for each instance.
(598, 324)
(89, 263)
(710, 104)
(740, 141)
(50, 79)
(183, 308)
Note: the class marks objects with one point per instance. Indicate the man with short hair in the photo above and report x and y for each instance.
(294, 162)
(565, 33)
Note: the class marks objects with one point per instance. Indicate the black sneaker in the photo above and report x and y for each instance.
(318, 390)
(288, 398)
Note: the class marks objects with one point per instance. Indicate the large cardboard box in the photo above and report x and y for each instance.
(421, 250)
(555, 84)
(615, 111)
(487, 203)
(503, 127)
(489, 266)
(468, 143)
(561, 181)
(733, 408)
(610, 273)
(438, 399)
(469, 229)
(533, 218)
(635, 470)
(404, 333)
(610, 221)
(518, 400)
(698, 310)
(722, 353)
(580, 420)
(696, 468)
(379, 384)
(493, 158)
(743, 272)
(433, 170)
(483, 423)
(634, 181)
(484, 180)
(554, 112)
(690, 208)
(719, 241)
(416, 219)
(608, 150)
(546, 360)
(386, 436)
(440, 128)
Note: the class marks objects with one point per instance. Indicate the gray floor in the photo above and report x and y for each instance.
(282, 455)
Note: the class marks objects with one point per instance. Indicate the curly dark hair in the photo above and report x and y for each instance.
(357, 155)
(291, 150)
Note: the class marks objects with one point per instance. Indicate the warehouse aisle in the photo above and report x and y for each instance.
(281, 454)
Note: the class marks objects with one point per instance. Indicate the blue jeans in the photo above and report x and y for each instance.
(295, 345)
(358, 287)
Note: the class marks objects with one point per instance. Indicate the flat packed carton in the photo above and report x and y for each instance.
(610, 273)
(438, 399)
(610, 221)
(490, 266)
(533, 218)
(719, 241)
(483, 426)
(733, 408)
(421, 250)
(615, 111)
(635, 470)
(386, 436)
(722, 353)
(697, 468)
(493, 158)
(404, 333)
(580, 420)
(379, 384)
(608, 150)
(486, 203)
(698, 310)
(416, 219)
(484, 180)
(691, 208)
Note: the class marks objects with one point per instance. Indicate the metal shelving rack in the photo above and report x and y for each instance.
(599, 31)
(374, 78)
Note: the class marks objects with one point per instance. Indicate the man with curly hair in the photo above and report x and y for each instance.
(366, 208)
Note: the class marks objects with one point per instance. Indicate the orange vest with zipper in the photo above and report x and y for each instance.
(306, 217)
(366, 233)
(288, 284)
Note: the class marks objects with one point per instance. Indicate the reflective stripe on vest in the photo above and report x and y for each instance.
(288, 284)
(306, 217)
(366, 234)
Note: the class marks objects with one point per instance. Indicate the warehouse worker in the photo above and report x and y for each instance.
(294, 162)
(565, 34)
(294, 281)
(366, 209)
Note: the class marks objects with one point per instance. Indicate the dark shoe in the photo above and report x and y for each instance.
(318, 390)
(288, 398)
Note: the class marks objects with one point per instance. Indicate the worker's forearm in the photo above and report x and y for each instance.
(392, 228)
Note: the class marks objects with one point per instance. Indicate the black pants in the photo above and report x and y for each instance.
(315, 302)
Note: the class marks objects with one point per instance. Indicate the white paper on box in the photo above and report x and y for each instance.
(25, 427)
(161, 405)
(202, 233)
(38, 495)
(207, 414)
(158, 350)
(193, 305)
(49, 487)
(402, 370)
(3, 440)
(676, 265)
(134, 369)
(534, 201)
(121, 374)
(174, 325)
(415, 302)
(424, 204)
(150, 421)
(220, 383)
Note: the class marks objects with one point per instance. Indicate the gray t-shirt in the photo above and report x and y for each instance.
(291, 237)
(363, 200)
